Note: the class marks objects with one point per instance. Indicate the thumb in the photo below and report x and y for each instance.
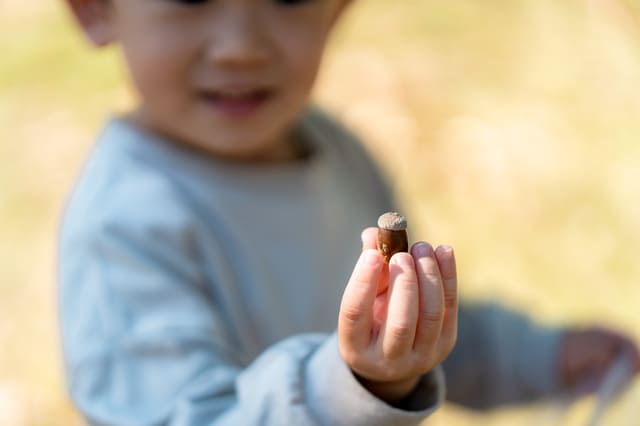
(369, 238)
(370, 242)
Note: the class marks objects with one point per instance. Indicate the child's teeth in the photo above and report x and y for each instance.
(236, 95)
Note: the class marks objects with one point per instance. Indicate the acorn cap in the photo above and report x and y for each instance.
(392, 221)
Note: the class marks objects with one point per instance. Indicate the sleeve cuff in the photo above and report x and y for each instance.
(539, 367)
(336, 396)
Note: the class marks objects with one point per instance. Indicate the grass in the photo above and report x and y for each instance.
(509, 128)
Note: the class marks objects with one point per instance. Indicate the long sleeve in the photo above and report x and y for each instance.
(145, 342)
(501, 357)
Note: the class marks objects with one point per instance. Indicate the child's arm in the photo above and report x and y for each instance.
(503, 357)
(398, 321)
(145, 343)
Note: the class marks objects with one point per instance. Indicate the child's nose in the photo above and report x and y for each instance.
(239, 40)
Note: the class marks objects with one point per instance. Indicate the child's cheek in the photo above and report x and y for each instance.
(159, 67)
(304, 62)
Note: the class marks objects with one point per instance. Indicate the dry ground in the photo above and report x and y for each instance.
(510, 129)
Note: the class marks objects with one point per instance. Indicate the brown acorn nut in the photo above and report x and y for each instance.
(392, 235)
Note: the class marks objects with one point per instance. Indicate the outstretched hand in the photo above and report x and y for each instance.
(398, 321)
(587, 354)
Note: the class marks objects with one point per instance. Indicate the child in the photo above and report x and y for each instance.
(205, 248)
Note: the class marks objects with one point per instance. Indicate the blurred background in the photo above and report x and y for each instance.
(510, 128)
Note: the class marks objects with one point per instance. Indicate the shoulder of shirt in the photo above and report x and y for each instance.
(123, 187)
(332, 132)
(346, 146)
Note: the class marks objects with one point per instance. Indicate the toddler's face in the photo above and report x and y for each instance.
(228, 76)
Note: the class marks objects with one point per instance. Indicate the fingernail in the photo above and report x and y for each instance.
(402, 259)
(371, 257)
(445, 249)
(422, 249)
(362, 235)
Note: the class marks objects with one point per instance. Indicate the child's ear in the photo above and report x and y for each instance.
(95, 17)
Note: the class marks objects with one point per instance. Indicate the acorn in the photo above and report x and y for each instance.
(392, 235)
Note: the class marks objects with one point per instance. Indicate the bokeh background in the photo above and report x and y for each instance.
(510, 128)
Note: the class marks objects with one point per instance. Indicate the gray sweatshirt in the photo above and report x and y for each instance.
(195, 291)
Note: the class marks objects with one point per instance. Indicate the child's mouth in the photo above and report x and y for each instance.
(237, 103)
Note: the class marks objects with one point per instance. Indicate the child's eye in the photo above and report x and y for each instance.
(190, 2)
(292, 2)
